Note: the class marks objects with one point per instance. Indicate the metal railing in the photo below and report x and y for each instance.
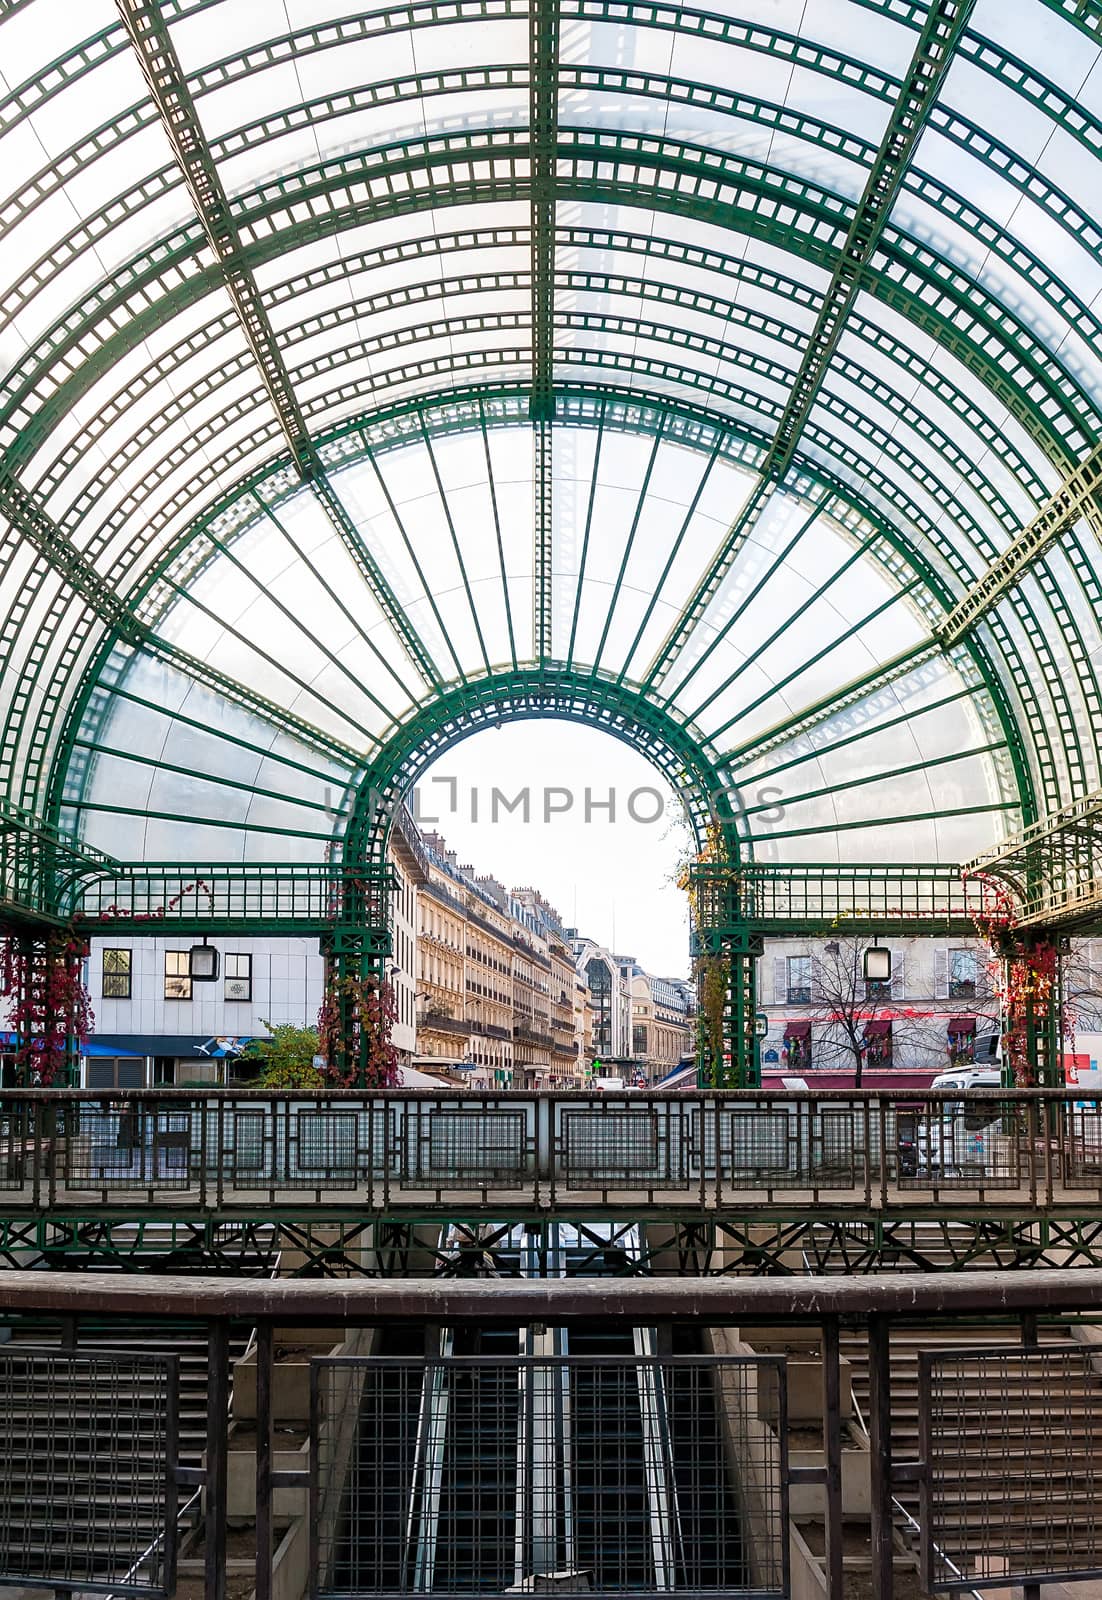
(1013, 1152)
(631, 1502)
(488, 1475)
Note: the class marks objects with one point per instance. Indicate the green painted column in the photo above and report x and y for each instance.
(728, 1053)
(742, 1053)
(356, 953)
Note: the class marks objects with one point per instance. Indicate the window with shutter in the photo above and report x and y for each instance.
(941, 974)
(897, 975)
(799, 981)
(780, 981)
(962, 974)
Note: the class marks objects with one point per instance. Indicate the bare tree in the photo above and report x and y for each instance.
(853, 1014)
(1082, 984)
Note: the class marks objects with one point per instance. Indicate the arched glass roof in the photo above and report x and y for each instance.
(742, 360)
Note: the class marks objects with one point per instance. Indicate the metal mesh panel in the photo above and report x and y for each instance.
(788, 1146)
(1013, 1442)
(1082, 1138)
(982, 1145)
(579, 1474)
(90, 1444)
(17, 1142)
(447, 1144)
(120, 1145)
(608, 1145)
(298, 1145)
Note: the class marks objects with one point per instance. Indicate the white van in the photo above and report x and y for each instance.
(969, 1078)
(958, 1139)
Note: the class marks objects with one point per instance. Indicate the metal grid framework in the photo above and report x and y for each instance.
(601, 1474)
(1010, 1441)
(1052, 870)
(257, 290)
(88, 1471)
(222, 1156)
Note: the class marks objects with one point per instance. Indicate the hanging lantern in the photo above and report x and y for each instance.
(878, 964)
(202, 963)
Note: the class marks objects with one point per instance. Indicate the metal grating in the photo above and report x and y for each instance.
(447, 1144)
(611, 1145)
(1012, 1441)
(294, 1145)
(489, 1475)
(87, 1473)
(120, 1145)
(982, 1145)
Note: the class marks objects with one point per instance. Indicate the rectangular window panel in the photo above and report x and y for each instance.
(963, 974)
(799, 981)
(238, 977)
(116, 974)
(177, 978)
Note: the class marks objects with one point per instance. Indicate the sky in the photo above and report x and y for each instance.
(528, 803)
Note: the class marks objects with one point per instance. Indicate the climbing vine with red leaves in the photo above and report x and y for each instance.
(1026, 972)
(197, 887)
(355, 1024)
(48, 1005)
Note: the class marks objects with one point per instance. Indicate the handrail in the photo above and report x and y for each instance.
(714, 1301)
(912, 1522)
(192, 1499)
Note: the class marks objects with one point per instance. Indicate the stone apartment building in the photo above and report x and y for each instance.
(643, 1025)
(938, 1009)
(490, 990)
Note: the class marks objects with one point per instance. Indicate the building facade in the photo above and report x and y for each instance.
(938, 1009)
(663, 1014)
(489, 989)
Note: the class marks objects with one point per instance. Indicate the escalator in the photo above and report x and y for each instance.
(588, 1465)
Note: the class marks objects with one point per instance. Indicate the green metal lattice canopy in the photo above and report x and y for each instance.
(727, 375)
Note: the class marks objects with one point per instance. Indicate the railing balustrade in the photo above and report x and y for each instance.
(383, 1482)
(883, 1151)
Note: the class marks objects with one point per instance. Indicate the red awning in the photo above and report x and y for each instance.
(880, 1028)
(797, 1030)
(962, 1025)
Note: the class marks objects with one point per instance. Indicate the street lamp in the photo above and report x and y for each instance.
(878, 964)
(202, 963)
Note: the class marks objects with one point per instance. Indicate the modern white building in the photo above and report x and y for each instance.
(157, 1025)
(610, 993)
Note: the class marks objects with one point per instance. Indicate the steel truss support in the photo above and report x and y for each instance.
(661, 1246)
(1053, 869)
(839, 1245)
(42, 978)
(543, 486)
(356, 953)
(945, 23)
(727, 981)
(35, 859)
(1033, 1026)
(148, 31)
(941, 32)
(1078, 496)
(543, 115)
(149, 34)
(372, 575)
(23, 510)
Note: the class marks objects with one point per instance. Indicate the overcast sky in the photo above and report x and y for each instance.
(609, 874)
